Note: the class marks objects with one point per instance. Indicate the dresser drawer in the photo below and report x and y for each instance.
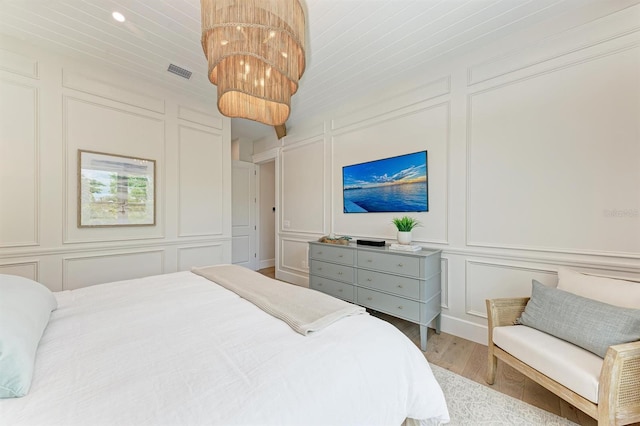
(334, 288)
(393, 305)
(330, 253)
(386, 262)
(331, 270)
(402, 286)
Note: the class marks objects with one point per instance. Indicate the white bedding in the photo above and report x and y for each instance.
(178, 349)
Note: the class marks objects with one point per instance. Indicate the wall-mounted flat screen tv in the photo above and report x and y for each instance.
(396, 184)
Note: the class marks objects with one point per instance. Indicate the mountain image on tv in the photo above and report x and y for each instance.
(396, 184)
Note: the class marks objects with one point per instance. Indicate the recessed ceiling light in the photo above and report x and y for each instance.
(118, 16)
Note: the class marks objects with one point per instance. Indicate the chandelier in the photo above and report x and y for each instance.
(255, 50)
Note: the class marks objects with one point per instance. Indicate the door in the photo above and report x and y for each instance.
(266, 239)
(243, 213)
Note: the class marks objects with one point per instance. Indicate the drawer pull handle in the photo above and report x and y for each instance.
(340, 290)
(368, 279)
(319, 284)
(319, 252)
(319, 268)
(399, 285)
(399, 307)
(369, 260)
(341, 255)
(339, 273)
(400, 265)
(368, 298)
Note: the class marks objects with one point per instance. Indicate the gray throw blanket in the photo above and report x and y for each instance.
(303, 309)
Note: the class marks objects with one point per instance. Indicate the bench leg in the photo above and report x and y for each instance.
(492, 364)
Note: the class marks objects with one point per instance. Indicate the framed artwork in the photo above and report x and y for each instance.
(115, 190)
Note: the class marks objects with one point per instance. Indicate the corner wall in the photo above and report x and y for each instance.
(534, 163)
(51, 106)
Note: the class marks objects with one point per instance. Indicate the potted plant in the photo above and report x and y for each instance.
(405, 225)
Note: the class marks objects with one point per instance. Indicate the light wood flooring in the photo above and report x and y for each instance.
(469, 359)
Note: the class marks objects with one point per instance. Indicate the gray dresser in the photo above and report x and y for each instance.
(402, 284)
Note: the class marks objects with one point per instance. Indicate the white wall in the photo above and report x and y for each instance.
(534, 162)
(52, 106)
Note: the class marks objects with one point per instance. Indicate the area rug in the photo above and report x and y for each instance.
(471, 403)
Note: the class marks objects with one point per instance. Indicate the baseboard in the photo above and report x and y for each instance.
(302, 281)
(465, 329)
(269, 263)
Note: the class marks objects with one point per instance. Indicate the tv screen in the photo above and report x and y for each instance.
(396, 184)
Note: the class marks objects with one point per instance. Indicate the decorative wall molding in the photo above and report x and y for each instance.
(544, 273)
(101, 268)
(185, 264)
(70, 175)
(386, 107)
(340, 139)
(200, 117)
(545, 258)
(282, 181)
(303, 247)
(573, 45)
(444, 268)
(109, 90)
(308, 131)
(214, 169)
(610, 51)
(498, 265)
(391, 115)
(35, 168)
(140, 245)
(18, 63)
(28, 269)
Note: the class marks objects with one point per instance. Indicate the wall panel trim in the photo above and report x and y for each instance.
(203, 129)
(109, 90)
(36, 168)
(298, 145)
(468, 310)
(35, 266)
(469, 144)
(19, 64)
(160, 176)
(385, 107)
(199, 117)
(609, 28)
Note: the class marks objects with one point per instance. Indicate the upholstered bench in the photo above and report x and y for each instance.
(581, 341)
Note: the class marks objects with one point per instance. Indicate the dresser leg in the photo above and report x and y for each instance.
(423, 338)
(438, 323)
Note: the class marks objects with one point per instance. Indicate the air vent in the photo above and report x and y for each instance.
(179, 71)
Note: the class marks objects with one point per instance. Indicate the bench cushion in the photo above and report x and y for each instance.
(567, 364)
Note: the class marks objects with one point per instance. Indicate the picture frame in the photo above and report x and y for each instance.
(115, 190)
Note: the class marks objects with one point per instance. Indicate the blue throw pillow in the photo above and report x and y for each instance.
(587, 323)
(25, 307)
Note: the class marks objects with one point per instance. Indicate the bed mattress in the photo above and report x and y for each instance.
(177, 349)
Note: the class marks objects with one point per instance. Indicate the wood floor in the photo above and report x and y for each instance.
(469, 359)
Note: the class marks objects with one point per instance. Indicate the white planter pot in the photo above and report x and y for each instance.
(404, 237)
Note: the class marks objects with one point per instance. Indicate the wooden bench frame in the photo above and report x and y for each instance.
(619, 386)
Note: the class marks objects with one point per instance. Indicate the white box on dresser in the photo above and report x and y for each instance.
(403, 284)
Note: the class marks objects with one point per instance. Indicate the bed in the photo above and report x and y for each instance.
(179, 349)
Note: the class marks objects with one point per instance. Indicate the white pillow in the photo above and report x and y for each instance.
(621, 293)
(25, 307)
